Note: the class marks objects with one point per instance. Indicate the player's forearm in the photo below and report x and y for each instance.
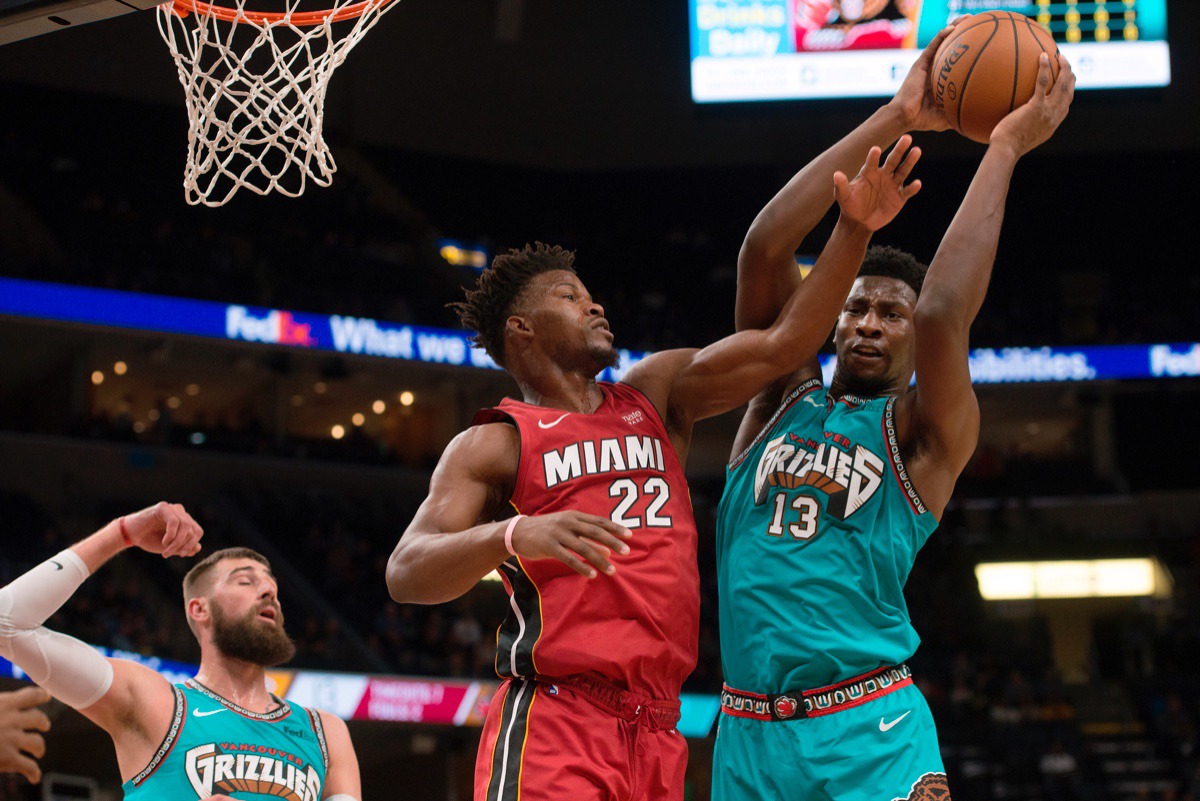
(101, 546)
(958, 277)
(35, 596)
(810, 313)
(781, 227)
(70, 670)
(434, 567)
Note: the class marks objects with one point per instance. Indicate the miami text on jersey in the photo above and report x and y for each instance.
(595, 457)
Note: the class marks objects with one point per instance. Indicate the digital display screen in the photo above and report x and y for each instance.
(808, 49)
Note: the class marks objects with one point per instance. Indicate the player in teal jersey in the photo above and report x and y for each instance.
(830, 494)
(221, 735)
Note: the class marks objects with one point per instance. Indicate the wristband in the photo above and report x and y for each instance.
(124, 532)
(512, 524)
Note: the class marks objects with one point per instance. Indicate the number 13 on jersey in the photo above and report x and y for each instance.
(803, 528)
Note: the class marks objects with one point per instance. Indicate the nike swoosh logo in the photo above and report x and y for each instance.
(886, 726)
(57, 566)
(813, 401)
(556, 422)
(200, 714)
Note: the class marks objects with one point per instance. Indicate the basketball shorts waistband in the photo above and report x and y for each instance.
(620, 703)
(797, 704)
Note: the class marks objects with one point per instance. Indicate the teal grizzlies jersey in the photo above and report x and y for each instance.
(215, 746)
(816, 534)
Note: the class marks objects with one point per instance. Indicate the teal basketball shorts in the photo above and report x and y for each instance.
(881, 747)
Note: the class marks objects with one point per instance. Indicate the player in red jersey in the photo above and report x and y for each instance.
(600, 559)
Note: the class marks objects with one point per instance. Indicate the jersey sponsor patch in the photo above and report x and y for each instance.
(240, 767)
(848, 474)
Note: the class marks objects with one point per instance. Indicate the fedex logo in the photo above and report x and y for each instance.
(277, 328)
(1164, 361)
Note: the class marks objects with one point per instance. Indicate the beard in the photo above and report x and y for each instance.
(605, 356)
(252, 640)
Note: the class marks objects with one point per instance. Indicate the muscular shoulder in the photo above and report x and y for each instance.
(654, 376)
(337, 733)
(488, 451)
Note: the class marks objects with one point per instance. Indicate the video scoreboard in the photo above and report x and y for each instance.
(804, 49)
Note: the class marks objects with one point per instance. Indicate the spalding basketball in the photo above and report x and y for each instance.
(987, 67)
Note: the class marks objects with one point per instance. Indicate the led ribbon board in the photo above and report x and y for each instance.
(362, 336)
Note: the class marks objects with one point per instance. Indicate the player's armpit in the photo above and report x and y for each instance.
(138, 705)
(342, 781)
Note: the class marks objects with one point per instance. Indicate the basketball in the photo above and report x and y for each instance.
(987, 67)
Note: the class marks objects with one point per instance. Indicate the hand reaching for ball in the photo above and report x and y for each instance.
(875, 196)
(1034, 123)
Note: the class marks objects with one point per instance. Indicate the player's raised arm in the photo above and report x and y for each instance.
(117, 695)
(450, 544)
(767, 273)
(726, 374)
(944, 419)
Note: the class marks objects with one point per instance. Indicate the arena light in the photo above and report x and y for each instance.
(461, 255)
(407, 398)
(1092, 578)
(379, 407)
(120, 368)
(358, 419)
(97, 378)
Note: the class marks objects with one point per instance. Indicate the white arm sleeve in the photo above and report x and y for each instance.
(70, 670)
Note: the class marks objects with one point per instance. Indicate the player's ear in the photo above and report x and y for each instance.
(518, 326)
(198, 610)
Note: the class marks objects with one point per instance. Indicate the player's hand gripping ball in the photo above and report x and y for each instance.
(987, 67)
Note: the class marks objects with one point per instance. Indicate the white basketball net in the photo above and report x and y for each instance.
(255, 88)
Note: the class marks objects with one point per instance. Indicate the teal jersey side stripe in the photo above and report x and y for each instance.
(213, 746)
(817, 531)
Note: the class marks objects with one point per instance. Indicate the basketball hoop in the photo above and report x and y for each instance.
(255, 83)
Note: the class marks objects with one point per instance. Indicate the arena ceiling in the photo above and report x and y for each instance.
(567, 85)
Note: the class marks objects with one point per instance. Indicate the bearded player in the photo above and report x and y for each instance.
(832, 491)
(219, 735)
(600, 559)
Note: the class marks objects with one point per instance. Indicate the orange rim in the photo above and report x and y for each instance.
(304, 19)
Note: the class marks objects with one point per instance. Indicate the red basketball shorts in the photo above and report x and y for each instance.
(549, 742)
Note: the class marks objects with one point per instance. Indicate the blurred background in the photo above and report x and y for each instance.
(466, 127)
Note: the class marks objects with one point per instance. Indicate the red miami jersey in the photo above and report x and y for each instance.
(639, 627)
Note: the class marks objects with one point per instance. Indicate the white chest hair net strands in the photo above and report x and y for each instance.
(70, 670)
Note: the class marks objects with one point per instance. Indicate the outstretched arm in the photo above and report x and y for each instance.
(117, 695)
(943, 427)
(454, 540)
(726, 374)
(767, 274)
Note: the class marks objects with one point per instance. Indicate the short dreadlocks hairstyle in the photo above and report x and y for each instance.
(890, 262)
(491, 302)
